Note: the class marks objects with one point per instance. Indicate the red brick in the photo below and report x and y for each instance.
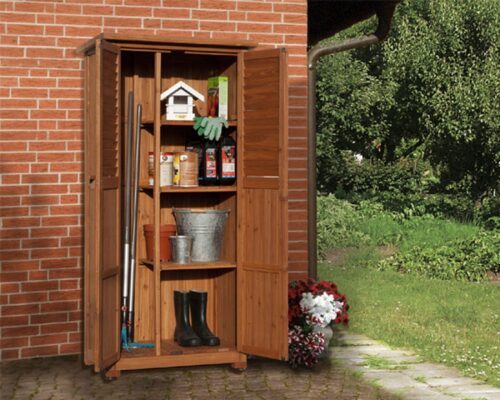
(39, 243)
(30, 93)
(20, 309)
(59, 306)
(180, 24)
(59, 327)
(12, 189)
(71, 348)
(293, 29)
(59, 221)
(69, 284)
(71, 241)
(65, 295)
(10, 201)
(172, 13)
(254, 6)
(78, 20)
(37, 41)
(37, 82)
(10, 244)
(27, 298)
(14, 321)
(49, 189)
(48, 232)
(40, 178)
(209, 15)
(65, 167)
(97, 10)
(70, 198)
(39, 168)
(56, 158)
(13, 212)
(48, 253)
(48, 339)
(21, 29)
(68, 9)
(63, 210)
(39, 211)
(48, 318)
(13, 342)
(13, 233)
(37, 275)
(20, 222)
(253, 27)
(217, 26)
(9, 255)
(66, 273)
(40, 286)
(13, 276)
(10, 180)
(10, 354)
(19, 331)
(39, 200)
(59, 263)
(263, 17)
(291, 8)
(65, 93)
(39, 351)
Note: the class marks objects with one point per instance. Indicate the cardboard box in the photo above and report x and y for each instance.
(218, 96)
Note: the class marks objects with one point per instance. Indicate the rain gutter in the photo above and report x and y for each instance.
(313, 55)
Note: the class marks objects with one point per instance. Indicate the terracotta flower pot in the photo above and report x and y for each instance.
(165, 232)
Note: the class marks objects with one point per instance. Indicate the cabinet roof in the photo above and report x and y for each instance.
(123, 39)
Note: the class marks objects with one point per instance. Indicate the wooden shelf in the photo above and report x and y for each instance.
(196, 189)
(182, 123)
(170, 266)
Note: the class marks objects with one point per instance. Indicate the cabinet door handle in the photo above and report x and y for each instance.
(92, 182)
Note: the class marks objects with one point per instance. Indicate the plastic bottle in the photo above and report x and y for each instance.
(227, 161)
(210, 173)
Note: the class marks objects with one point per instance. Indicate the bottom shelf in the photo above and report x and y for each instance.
(173, 355)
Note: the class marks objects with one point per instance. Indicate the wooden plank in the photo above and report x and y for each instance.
(142, 39)
(181, 360)
(107, 205)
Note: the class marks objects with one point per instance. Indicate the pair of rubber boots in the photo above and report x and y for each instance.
(196, 333)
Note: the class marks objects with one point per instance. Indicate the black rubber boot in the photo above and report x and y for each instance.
(198, 302)
(184, 334)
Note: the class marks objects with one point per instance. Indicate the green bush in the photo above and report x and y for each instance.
(337, 224)
(463, 260)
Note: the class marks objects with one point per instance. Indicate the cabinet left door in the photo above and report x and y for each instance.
(102, 257)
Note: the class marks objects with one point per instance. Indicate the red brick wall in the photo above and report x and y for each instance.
(41, 100)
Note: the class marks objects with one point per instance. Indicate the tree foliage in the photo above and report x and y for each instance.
(429, 93)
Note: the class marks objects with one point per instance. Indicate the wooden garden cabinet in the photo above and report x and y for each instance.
(247, 289)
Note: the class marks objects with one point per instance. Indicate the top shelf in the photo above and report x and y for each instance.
(182, 123)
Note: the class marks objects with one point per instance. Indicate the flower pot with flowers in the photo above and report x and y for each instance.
(314, 307)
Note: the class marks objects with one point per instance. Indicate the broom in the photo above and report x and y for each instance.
(133, 244)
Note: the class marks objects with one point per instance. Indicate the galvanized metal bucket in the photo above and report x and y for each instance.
(181, 249)
(207, 229)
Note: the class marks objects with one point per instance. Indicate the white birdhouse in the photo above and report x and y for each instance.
(180, 101)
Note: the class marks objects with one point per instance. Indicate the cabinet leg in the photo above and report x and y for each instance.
(111, 374)
(239, 366)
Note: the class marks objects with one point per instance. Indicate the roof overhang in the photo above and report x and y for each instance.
(328, 17)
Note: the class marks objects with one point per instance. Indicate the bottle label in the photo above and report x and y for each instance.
(210, 163)
(228, 161)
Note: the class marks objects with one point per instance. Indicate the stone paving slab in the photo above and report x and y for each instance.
(406, 376)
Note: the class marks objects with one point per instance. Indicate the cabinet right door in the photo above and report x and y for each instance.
(262, 203)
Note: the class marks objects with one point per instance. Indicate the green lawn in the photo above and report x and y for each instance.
(454, 323)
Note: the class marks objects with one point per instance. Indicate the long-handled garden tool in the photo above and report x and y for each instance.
(133, 242)
(126, 235)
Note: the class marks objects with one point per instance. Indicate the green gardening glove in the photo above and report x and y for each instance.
(209, 128)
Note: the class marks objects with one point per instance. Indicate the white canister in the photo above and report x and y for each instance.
(166, 169)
